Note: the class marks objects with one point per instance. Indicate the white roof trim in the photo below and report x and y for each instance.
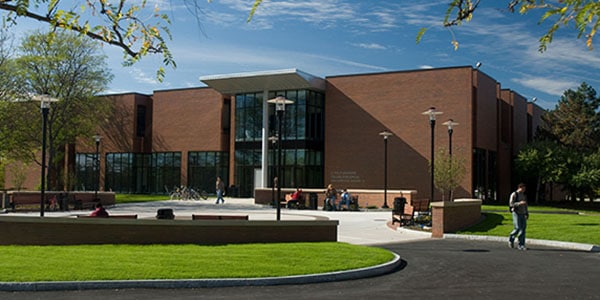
(285, 79)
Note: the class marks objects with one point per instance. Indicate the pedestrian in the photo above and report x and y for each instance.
(99, 212)
(520, 214)
(220, 186)
(330, 196)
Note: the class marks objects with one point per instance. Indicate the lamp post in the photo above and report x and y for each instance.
(45, 109)
(279, 103)
(273, 140)
(432, 113)
(385, 134)
(97, 138)
(450, 123)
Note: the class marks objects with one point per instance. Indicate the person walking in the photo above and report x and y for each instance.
(220, 186)
(520, 214)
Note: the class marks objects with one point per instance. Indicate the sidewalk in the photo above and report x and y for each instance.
(356, 227)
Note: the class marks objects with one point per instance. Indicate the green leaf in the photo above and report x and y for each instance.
(420, 34)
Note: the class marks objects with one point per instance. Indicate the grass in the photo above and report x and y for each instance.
(134, 198)
(128, 262)
(567, 227)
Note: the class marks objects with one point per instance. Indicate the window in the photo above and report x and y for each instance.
(484, 174)
(204, 167)
(86, 172)
(142, 173)
(248, 114)
(140, 128)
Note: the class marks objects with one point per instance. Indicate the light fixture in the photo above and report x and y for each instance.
(385, 134)
(432, 113)
(45, 101)
(280, 102)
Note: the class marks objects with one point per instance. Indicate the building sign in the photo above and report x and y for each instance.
(345, 177)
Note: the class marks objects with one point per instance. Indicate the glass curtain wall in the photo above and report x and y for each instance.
(204, 167)
(302, 139)
(86, 172)
(485, 168)
(142, 173)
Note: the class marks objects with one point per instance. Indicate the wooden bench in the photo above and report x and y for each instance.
(301, 204)
(219, 217)
(110, 216)
(406, 218)
(420, 205)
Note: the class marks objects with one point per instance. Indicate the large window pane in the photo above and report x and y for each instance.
(202, 173)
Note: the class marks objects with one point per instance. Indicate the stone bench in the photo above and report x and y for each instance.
(110, 216)
(219, 217)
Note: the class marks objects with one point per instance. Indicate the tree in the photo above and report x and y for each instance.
(582, 14)
(567, 147)
(575, 121)
(449, 172)
(65, 67)
(7, 80)
(119, 23)
(545, 162)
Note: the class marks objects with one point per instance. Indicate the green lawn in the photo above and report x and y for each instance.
(132, 198)
(127, 262)
(579, 228)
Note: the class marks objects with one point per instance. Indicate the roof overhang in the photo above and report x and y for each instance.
(277, 80)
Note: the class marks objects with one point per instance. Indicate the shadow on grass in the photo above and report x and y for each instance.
(491, 221)
(588, 224)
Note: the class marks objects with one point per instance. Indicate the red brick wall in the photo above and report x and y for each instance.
(452, 216)
(74, 231)
(188, 119)
(359, 107)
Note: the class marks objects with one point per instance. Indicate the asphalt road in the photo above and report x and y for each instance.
(432, 269)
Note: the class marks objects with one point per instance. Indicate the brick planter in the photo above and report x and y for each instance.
(75, 231)
(452, 216)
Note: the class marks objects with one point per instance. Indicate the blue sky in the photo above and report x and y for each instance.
(337, 37)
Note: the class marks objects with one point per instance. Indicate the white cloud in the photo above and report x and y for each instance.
(425, 67)
(550, 86)
(372, 46)
(140, 76)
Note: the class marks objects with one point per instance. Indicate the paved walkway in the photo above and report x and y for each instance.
(361, 228)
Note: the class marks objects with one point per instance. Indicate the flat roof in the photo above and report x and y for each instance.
(286, 79)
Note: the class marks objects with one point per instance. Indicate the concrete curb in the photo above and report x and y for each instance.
(556, 244)
(378, 270)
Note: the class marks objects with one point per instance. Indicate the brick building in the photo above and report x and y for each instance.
(330, 133)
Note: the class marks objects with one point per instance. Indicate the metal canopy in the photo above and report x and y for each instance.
(287, 79)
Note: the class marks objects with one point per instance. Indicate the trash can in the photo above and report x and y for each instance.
(313, 200)
(233, 191)
(165, 214)
(399, 203)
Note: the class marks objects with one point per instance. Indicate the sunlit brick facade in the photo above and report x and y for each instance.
(331, 133)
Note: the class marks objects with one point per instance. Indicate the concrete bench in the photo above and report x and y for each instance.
(219, 217)
(110, 217)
